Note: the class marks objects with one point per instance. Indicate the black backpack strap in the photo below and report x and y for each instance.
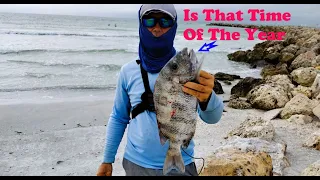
(145, 79)
(146, 97)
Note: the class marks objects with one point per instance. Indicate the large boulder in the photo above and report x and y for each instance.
(218, 87)
(316, 49)
(281, 79)
(315, 87)
(269, 96)
(255, 55)
(272, 57)
(303, 60)
(299, 104)
(238, 56)
(300, 119)
(286, 57)
(312, 170)
(271, 70)
(303, 90)
(304, 76)
(291, 49)
(316, 62)
(313, 141)
(250, 147)
(237, 163)
(254, 126)
(289, 40)
(224, 76)
(242, 88)
(316, 111)
(239, 103)
(312, 41)
(301, 50)
(271, 114)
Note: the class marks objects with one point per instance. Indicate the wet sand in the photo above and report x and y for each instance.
(67, 138)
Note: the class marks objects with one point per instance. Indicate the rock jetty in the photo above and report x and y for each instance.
(289, 89)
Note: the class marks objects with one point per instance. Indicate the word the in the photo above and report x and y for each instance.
(191, 34)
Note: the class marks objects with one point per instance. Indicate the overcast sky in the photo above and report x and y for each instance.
(130, 10)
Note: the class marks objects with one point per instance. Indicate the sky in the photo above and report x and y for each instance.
(130, 10)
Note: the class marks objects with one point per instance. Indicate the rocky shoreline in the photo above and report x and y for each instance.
(289, 89)
(265, 28)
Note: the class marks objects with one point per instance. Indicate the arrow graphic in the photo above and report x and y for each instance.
(206, 47)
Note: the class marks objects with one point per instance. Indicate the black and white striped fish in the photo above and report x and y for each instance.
(176, 111)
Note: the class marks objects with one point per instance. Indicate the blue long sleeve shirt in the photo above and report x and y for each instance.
(143, 142)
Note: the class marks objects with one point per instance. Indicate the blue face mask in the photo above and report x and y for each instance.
(155, 52)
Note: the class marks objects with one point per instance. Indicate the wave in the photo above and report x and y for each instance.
(67, 34)
(71, 87)
(43, 75)
(115, 29)
(63, 51)
(72, 65)
(35, 75)
(230, 50)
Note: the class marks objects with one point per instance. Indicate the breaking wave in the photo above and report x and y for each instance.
(72, 87)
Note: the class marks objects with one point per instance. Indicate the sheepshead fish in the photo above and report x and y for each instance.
(176, 111)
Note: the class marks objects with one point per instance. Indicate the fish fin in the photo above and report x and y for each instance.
(200, 63)
(163, 139)
(173, 162)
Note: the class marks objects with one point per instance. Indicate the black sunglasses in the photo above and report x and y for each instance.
(163, 22)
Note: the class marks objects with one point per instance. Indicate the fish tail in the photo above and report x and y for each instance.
(173, 161)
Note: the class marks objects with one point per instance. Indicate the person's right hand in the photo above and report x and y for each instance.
(105, 169)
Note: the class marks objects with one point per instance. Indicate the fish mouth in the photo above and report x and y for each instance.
(196, 64)
(190, 53)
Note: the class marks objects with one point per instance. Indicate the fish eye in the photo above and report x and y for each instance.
(174, 66)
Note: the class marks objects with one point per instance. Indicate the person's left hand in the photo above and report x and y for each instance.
(203, 90)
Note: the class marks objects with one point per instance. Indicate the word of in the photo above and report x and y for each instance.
(191, 34)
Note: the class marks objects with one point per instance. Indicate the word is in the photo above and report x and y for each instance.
(254, 14)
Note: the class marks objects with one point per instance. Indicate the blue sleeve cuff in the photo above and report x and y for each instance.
(211, 112)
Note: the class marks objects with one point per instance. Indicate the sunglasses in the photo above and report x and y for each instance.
(163, 22)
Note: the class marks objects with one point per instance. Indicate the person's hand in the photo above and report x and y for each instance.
(105, 169)
(203, 90)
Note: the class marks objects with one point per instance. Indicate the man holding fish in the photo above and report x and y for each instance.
(159, 97)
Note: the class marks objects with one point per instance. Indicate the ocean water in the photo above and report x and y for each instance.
(57, 57)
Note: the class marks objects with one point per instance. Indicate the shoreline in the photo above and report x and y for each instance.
(260, 27)
(73, 150)
(287, 92)
(68, 145)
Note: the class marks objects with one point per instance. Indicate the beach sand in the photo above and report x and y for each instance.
(67, 138)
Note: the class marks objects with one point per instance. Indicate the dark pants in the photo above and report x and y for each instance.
(132, 169)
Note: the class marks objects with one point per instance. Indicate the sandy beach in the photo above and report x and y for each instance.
(67, 138)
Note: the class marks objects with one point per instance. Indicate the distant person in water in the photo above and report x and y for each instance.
(144, 155)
